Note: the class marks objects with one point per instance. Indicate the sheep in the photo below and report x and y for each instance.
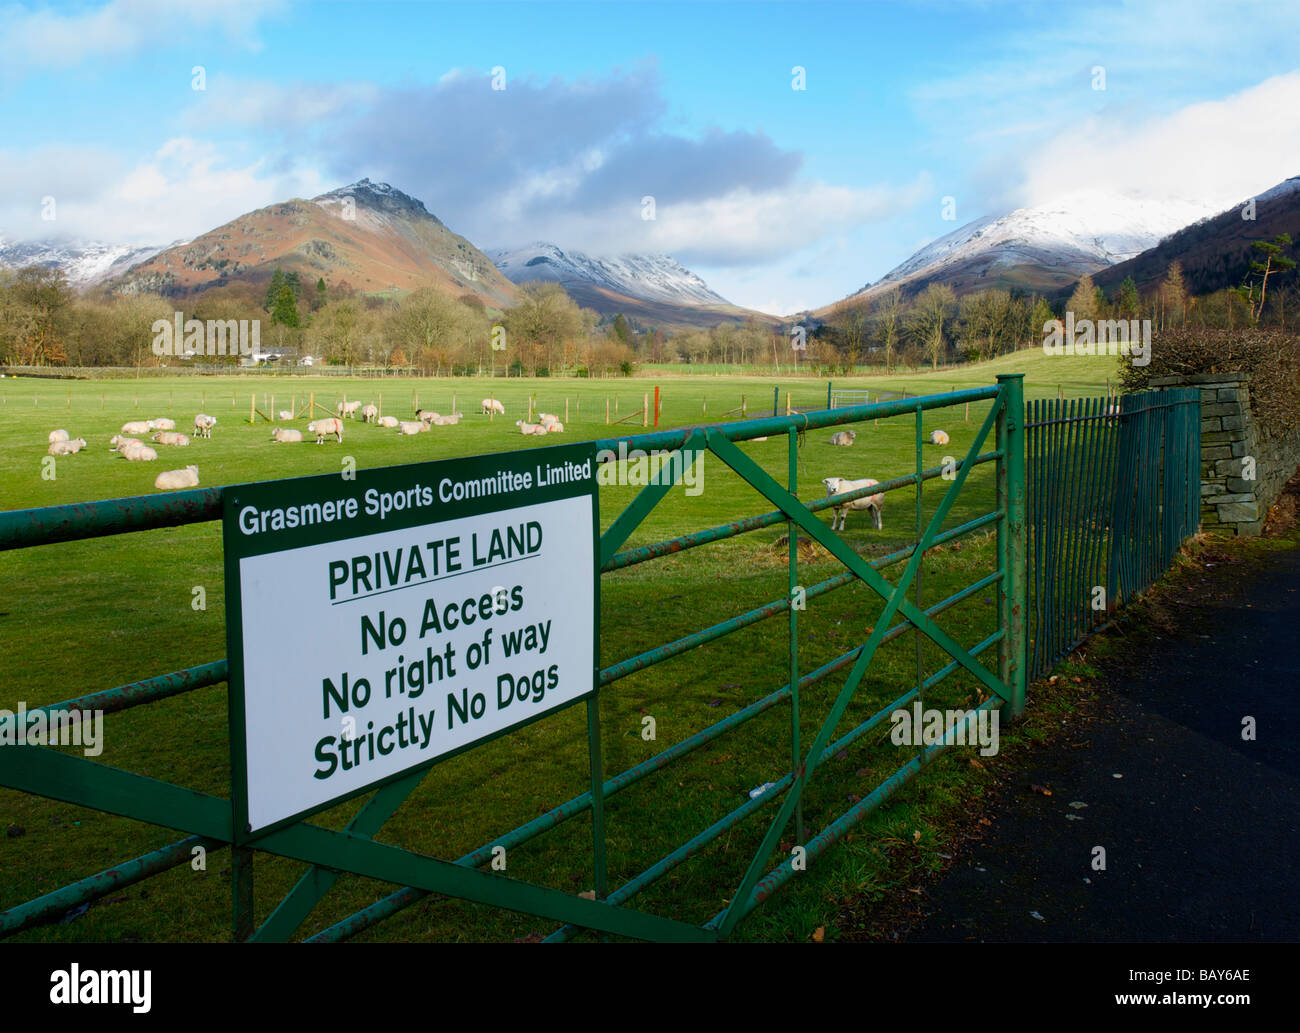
(139, 453)
(136, 427)
(938, 437)
(411, 427)
(547, 418)
(369, 413)
(162, 424)
(427, 415)
(555, 428)
(284, 435)
(59, 435)
(322, 428)
(67, 448)
(348, 409)
(203, 425)
(492, 405)
(388, 421)
(171, 437)
(530, 428)
(840, 486)
(171, 480)
(285, 414)
(120, 443)
(844, 437)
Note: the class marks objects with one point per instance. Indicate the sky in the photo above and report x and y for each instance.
(787, 153)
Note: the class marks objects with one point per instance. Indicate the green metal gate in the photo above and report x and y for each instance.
(206, 820)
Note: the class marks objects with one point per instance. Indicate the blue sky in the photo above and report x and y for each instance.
(780, 198)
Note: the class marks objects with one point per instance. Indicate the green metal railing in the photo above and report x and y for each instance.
(207, 820)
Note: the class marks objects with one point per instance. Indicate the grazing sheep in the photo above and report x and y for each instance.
(555, 428)
(492, 405)
(938, 437)
(411, 427)
(203, 425)
(840, 486)
(139, 453)
(844, 437)
(59, 435)
(530, 428)
(322, 428)
(162, 424)
(388, 421)
(172, 480)
(171, 437)
(285, 414)
(67, 448)
(348, 409)
(369, 413)
(285, 436)
(136, 427)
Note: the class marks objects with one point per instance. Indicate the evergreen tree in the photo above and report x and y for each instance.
(1274, 262)
(294, 284)
(1128, 298)
(273, 290)
(285, 312)
(321, 296)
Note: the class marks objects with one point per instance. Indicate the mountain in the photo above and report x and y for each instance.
(85, 263)
(367, 235)
(1044, 249)
(1215, 252)
(656, 290)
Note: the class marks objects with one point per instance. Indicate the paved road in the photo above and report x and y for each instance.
(1201, 832)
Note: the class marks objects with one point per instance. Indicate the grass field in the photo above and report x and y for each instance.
(87, 615)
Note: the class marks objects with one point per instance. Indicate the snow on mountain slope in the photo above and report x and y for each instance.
(1076, 234)
(85, 263)
(657, 278)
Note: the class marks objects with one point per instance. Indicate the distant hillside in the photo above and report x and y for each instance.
(1215, 252)
(85, 263)
(367, 235)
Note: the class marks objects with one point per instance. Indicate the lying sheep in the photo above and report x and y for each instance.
(172, 480)
(840, 486)
(348, 409)
(136, 427)
(118, 442)
(203, 425)
(284, 435)
(59, 435)
(938, 437)
(285, 414)
(411, 427)
(162, 424)
(555, 428)
(844, 437)
(369, 413)
(67, 448)
(388, 421)
(427, 415)
(547, 418)
(138, 453)
(530, 428)
(322, 428)
(171, 437)
(492, 405)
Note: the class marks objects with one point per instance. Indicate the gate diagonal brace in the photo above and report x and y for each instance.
(895, 600)
(650, 496)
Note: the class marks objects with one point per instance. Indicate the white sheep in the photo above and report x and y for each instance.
(530, 428)
(203, 425)
(162, 424)
(136, 427)
(555, 428)
(284, 435)
(172, 480)
(119, 443)
(844, 437)
(171, 437)
(139, 453)
(369, 413)
(59, 435)
(67, 448)
(388, 421)
(547, 418)
(427, 415)
(348, 409)
(285, 414)
(840, 486)
(322, 428)
(492, 405)
(411, 426)
(938, 437)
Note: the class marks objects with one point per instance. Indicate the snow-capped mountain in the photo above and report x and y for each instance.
(85, 263)
(1045, 246)
(656, 278)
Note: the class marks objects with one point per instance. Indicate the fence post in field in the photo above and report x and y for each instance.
(828, 395)
(1012, 542)
(645, 409)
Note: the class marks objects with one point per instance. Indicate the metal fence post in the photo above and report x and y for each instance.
(1012, 543)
